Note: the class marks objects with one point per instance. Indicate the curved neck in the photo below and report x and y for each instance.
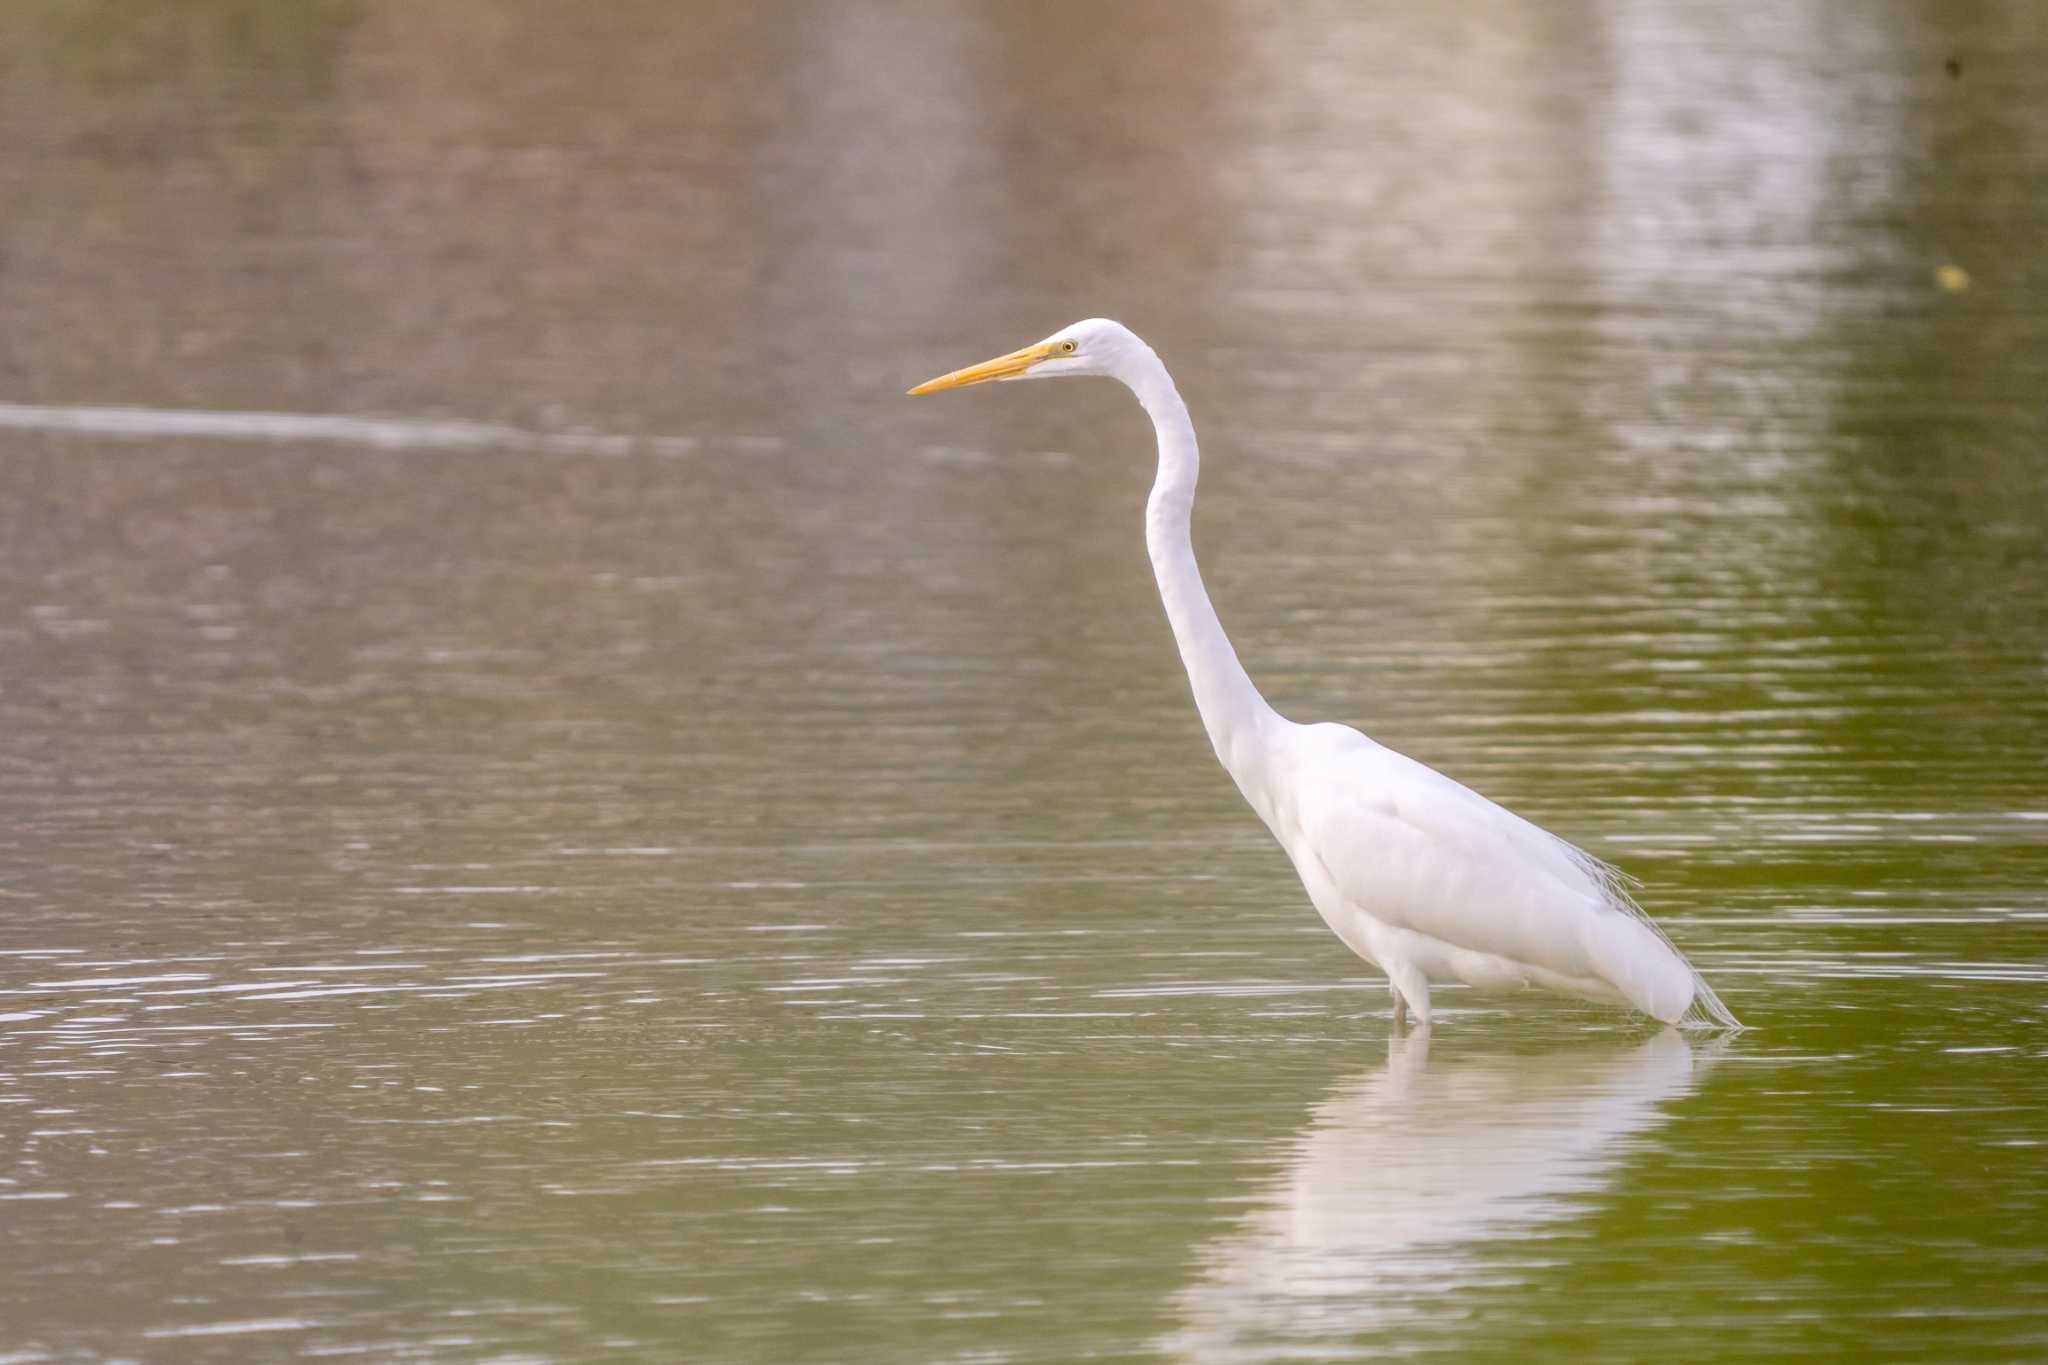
(1232, 710)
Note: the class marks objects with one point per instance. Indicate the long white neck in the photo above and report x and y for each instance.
(1232, 710)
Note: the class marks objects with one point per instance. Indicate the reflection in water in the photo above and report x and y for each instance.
(1403, 1173)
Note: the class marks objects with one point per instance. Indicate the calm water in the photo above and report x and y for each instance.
(607, 832)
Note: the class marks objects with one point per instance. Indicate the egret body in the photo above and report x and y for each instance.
(1417, 874)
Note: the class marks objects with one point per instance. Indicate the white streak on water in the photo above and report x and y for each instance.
(224, 1329)
(380, 433)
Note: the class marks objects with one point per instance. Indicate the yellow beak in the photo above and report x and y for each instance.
(1002, 367)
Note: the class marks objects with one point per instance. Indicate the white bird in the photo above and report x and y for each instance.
(1416, 873)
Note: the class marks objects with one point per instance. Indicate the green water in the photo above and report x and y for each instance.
(723, 867)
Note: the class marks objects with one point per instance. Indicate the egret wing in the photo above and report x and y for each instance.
(1419, 851)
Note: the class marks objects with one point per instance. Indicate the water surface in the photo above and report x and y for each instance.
(546, 812)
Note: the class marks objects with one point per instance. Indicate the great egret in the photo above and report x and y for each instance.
(1417, 874)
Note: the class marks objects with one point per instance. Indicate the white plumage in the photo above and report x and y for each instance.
(1418, 874)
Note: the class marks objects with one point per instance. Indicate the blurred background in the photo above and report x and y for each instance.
(548, 812)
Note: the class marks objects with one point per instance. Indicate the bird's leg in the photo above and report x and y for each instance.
(1411, 992)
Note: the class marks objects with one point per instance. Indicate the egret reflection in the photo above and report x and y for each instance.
(1402, 1172)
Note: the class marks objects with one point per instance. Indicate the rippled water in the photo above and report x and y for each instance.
(547, 813)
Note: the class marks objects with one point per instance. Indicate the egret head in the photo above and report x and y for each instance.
(1097, 346)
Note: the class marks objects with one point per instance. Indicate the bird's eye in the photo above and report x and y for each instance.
(1066, 348)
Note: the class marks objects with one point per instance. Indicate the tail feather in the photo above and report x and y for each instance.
(1704, 1010)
